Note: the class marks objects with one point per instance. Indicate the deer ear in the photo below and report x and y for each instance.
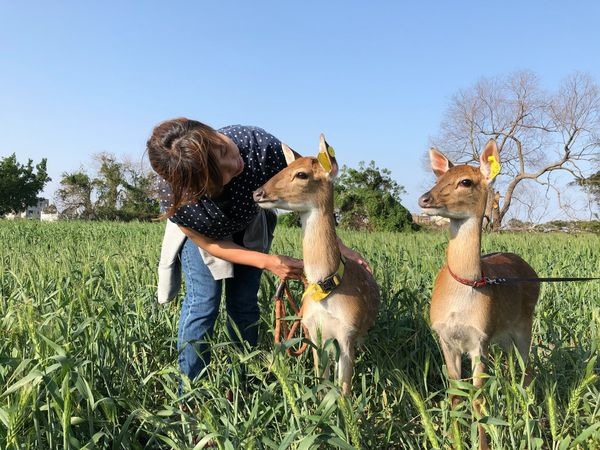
(326, 158)
(290, 155)
(439, 163)
(490, 161)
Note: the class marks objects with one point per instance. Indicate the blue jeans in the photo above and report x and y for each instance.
(201, 306)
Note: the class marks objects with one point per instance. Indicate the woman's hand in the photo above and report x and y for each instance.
(354, 256)
(285, 267)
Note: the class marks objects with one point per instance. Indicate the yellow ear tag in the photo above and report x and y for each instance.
(324, 158)
(494, 167)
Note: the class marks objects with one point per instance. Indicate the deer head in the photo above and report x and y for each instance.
(460, 191)
(305, 184)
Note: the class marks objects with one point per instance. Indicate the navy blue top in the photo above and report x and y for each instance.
(235, 208)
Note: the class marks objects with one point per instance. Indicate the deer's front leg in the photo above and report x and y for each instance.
(346, 368)
(478, 365)
(452, 357)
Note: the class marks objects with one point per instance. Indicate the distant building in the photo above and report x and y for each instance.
(48, 216)
(36, 212)
(424, 219)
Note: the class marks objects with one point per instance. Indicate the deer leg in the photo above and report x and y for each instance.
(452, 357)
(478, 365)
(523, 343)
(320, 374)
(314, 332)
(316, 336)
(315, 353)
(346, 368)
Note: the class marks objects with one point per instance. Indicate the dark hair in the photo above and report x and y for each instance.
(183, 152)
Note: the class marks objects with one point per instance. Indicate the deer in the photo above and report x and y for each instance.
(467, 312)
(342, 299)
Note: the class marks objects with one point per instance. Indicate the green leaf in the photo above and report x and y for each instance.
(493, 421)
(585, 434)
(307, 442)
(34, 378)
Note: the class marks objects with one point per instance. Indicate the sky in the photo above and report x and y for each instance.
(79, 78)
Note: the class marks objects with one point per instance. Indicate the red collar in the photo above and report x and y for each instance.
(477, 283)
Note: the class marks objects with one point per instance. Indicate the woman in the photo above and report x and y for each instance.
(210, 176)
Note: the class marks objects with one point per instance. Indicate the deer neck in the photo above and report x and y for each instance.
(320, 248)
(464, 248)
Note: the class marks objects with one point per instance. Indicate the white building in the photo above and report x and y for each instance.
(35, 212)
(437, 221)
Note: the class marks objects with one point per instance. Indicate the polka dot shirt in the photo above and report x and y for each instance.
(235, 208)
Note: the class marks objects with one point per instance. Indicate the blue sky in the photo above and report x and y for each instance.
(78, 78)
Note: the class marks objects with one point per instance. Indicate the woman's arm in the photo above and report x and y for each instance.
(353, 255)
(284, 267)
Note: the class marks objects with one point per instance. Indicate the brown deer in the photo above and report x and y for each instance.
(342, 299)
(467, 313)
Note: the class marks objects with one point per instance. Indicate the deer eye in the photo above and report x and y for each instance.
(301, 175)
(466, 183)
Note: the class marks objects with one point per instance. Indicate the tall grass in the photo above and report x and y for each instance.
(88, 358)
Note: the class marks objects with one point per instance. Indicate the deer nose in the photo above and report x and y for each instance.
(258, 195)
(425, 200)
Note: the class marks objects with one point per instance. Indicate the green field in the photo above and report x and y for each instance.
(88, 359)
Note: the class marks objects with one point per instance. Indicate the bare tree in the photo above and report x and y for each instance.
(538, 132)
(119, 190)
(74, 197)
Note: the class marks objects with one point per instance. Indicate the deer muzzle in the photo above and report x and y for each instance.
(258, 195)
(426, 200)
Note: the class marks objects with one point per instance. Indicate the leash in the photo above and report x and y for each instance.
(487, 281)
(282, 329)
(537, 280)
